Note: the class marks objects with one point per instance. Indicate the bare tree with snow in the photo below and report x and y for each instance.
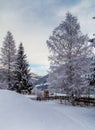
(69, 50)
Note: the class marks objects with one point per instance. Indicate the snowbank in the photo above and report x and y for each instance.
(18, 112)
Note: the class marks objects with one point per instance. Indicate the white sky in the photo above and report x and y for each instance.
(32, 21)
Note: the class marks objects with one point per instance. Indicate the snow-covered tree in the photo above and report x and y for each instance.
(69, 51)
(91, 76)
(22, 71)
(8, 56)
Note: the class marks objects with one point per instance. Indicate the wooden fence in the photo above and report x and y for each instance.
(74, 100)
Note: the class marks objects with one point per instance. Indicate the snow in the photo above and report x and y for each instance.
(32, 96)
(59, 94)
(18, 112)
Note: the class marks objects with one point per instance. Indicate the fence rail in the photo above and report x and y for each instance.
(75, 100)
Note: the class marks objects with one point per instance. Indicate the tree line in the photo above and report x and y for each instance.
(14, 65)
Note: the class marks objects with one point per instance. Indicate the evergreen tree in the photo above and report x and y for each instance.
(8, 56)
(69, 50)
(22, 71)
(91, 75)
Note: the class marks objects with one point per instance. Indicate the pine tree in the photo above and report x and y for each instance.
(8, 56)
(91, 76)
(22, 71)
(69, 51)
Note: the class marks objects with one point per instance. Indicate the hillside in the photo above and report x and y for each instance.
(42, 80)
(19, 113)
(41, 83)
(34, 77)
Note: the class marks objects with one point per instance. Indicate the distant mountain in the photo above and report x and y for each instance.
(34, 78)
(41, 80)
(41, 83)
(33, 74)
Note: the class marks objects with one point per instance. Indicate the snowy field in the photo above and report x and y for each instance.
(18, 112)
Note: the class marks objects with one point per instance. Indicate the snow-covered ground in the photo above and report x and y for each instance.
(18, 112)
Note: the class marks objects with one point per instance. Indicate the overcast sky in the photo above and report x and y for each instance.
(32, 21)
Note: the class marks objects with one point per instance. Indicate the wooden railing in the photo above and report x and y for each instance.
(75, 100)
